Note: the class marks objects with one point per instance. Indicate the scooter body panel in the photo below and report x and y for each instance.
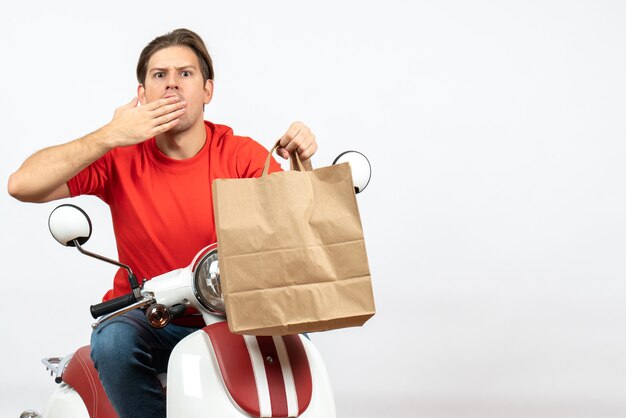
(322, 400)
(196, 386)
(65, 402)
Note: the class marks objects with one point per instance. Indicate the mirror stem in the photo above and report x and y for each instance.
(131, 276)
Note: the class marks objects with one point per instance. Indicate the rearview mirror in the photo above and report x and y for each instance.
(68, 223)
(361, 168)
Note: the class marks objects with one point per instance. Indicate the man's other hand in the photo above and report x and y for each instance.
(300, 139)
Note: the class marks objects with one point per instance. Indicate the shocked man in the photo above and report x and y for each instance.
(153, 164)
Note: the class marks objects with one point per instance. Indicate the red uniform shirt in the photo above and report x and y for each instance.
(162, 209)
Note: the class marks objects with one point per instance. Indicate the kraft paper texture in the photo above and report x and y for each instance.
(291, 251)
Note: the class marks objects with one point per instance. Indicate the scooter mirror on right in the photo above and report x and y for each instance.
(361, 168)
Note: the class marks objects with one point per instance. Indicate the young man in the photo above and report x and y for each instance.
(153, 164)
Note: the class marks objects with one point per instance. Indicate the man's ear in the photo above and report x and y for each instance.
(208, 91)
(141, 94)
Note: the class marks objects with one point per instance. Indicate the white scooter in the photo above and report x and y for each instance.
(212, 372)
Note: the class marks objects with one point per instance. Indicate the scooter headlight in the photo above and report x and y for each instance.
(206, 281)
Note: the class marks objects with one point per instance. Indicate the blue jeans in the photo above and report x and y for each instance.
(129, 354)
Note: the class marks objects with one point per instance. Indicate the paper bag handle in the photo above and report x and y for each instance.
(293, 157)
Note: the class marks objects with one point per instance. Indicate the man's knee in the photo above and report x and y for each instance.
(114, 343)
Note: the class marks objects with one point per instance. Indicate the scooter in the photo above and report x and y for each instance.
(212, 372)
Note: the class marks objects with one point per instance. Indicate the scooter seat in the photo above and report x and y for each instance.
(81, 374)
(265, 376)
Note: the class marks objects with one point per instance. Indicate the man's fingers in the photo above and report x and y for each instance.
(170, 108)
(307, 152)
(165, 127)
(301, 142)
(169, 116)
(304, 151)
(161, 102)
(282, 152)
(300, 139)
(287, 139)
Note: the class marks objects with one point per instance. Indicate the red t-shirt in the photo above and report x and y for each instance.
(162, 209)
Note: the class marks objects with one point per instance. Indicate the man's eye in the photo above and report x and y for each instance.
(186, 73)
(159, 75)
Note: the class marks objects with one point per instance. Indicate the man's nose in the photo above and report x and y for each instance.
(172, 81)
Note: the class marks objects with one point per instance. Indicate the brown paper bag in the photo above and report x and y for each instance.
(291, 251)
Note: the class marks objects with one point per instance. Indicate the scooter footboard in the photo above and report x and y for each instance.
(216, 373)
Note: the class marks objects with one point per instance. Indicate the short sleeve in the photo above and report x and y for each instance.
(92, 180)
(251, 157)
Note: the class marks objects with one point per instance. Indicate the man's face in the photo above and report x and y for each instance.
(175, 71)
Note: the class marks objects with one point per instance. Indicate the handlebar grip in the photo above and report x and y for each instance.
(112, 305)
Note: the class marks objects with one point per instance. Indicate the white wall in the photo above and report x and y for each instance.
(495, 216)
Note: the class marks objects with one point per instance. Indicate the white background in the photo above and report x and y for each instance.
(494, 220)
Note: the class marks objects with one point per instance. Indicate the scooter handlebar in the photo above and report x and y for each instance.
(112, 305)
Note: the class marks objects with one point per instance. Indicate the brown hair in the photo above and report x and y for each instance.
(178, 37)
